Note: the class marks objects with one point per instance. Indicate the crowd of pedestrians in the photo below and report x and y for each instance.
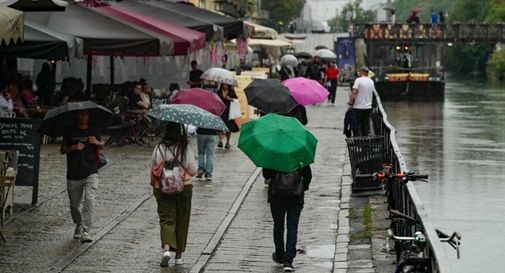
(173, 160)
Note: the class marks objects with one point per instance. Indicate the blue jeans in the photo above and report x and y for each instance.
(291, 213)
(206, 145)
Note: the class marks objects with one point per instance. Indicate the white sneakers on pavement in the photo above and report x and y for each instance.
(85, 238)
(179, 261)
(165, 258)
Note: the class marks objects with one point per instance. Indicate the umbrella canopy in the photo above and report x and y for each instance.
(277, 142)
(268, 42)
(326, 54)
(303, 55)
(58, 119)
(270, 96)
(11, 25)
(219, 75)
(202, 98)
(39, 5)
(261, 32)
(289, 59)
(101, 35)
(43, 43)
(184, 40)
(233, 28)
(142, 7)
(188, 114)
(306, 91)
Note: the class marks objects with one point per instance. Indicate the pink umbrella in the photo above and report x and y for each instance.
(202, 98)
(306, 91)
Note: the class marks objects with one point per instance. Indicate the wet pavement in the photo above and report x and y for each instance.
(230, 229)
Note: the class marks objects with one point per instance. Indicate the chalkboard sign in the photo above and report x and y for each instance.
(21, 135)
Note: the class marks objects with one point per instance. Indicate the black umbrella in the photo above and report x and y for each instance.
(303, 55)
(58, 119)
(270, 96)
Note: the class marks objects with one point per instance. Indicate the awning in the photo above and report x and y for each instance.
(186, 40)
(261, 32)
(142, 7)
(268, 43)
(11, 25)
(42, 43)
(233, 28)
(100, 35)
(37, 5)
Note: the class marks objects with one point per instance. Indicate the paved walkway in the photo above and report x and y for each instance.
(230, 227)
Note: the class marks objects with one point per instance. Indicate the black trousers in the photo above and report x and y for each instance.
(333, 91)
(363, 119)
(289, 215)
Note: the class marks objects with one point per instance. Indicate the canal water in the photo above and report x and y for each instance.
(460, 143)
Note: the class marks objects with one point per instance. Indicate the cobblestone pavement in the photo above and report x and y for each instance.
(126, 222)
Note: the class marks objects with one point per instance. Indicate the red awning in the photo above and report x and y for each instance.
(186, 40)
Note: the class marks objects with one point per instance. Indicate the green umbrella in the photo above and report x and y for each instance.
(188, 114)
(277, 142)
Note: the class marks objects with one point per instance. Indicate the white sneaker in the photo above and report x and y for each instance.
(85, 238)
(179, 261)
(165, 258)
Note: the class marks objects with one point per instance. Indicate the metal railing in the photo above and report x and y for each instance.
(405, 197)
(455, 32)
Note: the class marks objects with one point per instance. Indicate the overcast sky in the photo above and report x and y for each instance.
(327, 9)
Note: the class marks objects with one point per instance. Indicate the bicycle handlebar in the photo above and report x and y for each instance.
(404, 176)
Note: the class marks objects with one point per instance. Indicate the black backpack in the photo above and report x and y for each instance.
(287, 185)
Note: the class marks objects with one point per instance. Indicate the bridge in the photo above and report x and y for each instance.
(450, 33)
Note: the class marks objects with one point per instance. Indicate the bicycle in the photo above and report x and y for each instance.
(388, 178)
(409, 259)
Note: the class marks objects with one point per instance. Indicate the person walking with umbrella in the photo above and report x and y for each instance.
(285, 150)
(227, 95)
(80, 123)
(174, 210)
(81, 143)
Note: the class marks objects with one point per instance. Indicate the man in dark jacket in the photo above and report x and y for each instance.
(288, 208)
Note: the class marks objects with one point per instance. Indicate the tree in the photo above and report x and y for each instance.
(282, 12)
(352, 13)
(496, 64)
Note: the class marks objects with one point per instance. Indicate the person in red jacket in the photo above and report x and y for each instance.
(331, 76)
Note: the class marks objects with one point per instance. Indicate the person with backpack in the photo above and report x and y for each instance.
(286, 198)
(173, 166)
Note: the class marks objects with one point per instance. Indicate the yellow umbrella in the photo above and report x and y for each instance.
(11, 25)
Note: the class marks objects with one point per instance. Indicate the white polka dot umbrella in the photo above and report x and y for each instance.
(188, 114)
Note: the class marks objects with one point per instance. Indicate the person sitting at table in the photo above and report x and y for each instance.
(145, 95)
(6, 105)
(27, 95)
(13, 91)
(135, 101)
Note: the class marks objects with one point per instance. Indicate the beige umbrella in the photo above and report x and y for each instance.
(11, 25)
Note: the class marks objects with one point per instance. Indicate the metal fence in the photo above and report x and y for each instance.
(405, 197)
(367, 155)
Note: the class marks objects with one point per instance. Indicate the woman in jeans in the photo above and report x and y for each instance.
(174, 210)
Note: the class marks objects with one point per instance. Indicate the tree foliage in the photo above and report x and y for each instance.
(496, 64)
(352, 12)
(282, 12)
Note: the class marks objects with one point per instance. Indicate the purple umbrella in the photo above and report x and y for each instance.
(202, 98)
(306, 91)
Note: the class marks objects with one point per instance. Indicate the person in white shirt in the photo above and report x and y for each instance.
(360, 100)
(6, 104)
